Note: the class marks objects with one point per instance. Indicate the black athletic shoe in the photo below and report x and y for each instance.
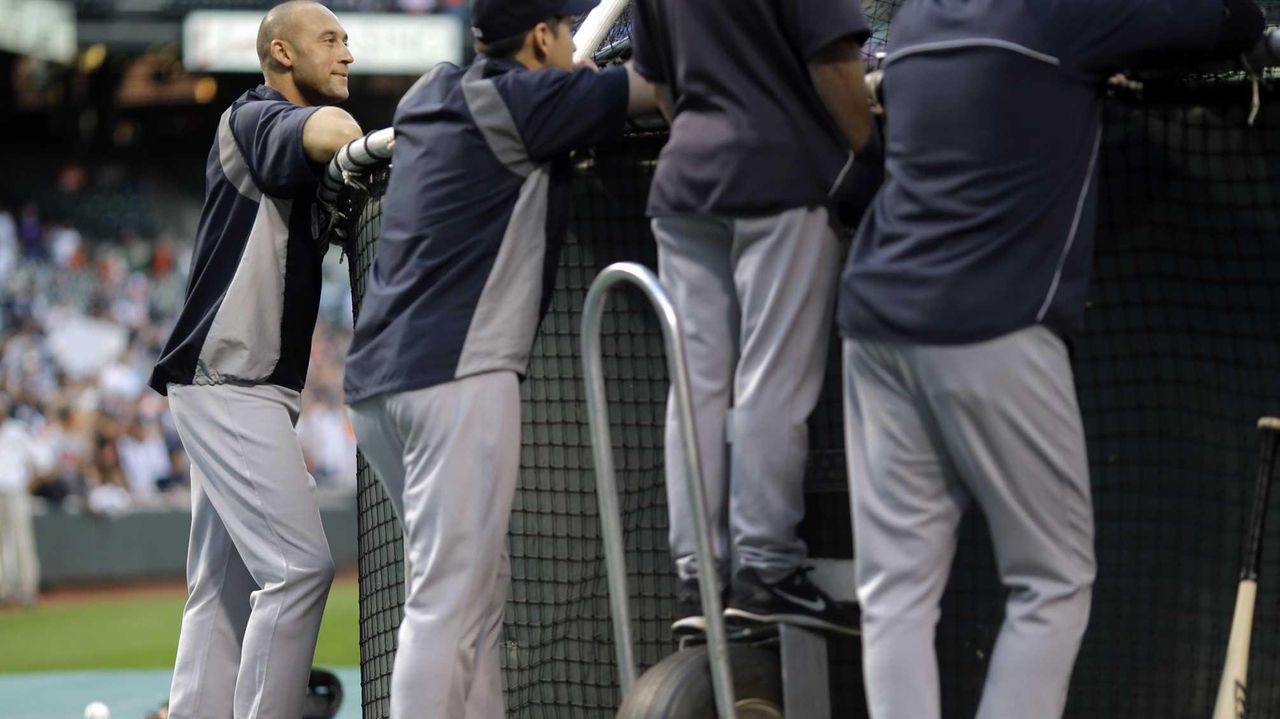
(794, 599)
(689, 617)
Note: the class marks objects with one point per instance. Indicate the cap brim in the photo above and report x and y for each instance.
(577, 7)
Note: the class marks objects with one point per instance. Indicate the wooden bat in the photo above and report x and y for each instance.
(1235, 671)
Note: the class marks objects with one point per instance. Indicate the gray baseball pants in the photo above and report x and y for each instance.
(928, 429)
(755, 298)
(19, 563)
(258, 564)
(449, 457)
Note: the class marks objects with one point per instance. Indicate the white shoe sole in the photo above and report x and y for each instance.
(689, 625)
(799, 620)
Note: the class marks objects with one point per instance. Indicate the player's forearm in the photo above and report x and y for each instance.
(642, 97)
(666, 105)
(838, 76)
(327, 131)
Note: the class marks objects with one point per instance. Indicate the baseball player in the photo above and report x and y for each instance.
(19, 465)
(473, 218)
(258, 567)
(768, 107)
(966, 280)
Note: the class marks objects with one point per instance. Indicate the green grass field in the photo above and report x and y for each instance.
(141, 633)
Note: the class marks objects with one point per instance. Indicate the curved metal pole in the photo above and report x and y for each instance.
(607, 486)
(355, 158)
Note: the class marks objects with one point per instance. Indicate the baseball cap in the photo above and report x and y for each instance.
(494, 20)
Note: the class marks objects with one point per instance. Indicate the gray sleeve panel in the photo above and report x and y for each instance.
(244, 340)
(233, 164)
(494, 119)
(506, 317)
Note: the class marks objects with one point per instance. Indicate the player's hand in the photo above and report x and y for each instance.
(1121, 81)
(588, 64)
(875, 81)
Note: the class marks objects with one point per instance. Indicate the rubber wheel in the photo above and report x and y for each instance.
(679, 687)
(324, 695)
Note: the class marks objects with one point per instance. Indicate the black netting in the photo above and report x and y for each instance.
(1179, 361)
(381, 558)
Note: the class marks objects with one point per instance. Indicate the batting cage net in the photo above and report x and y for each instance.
(1181, 356)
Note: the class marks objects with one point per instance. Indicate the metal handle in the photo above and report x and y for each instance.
(607, 486)
(354, 158)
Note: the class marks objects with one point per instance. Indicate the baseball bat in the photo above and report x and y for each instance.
(1232, 690)
(595, 28)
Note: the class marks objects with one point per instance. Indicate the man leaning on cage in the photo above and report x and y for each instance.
(258, 565)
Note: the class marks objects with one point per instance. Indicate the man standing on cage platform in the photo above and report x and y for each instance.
(768, 110)
(475, 211)
(258, 566)
(965, 284)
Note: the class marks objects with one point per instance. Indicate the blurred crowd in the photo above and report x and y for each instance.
(82, 321)
(109, 8)
(450, 7)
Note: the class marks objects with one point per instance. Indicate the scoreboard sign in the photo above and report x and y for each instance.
(383, 43)
(45, 29)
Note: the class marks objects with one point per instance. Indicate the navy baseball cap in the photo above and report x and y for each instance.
(494, 20)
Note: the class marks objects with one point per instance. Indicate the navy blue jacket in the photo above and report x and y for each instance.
(254, 290)
(994, 125)
(472, 223)
(750, 135)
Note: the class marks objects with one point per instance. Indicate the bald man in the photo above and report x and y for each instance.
(258, 565)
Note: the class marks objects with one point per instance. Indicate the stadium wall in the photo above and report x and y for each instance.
(80, 548)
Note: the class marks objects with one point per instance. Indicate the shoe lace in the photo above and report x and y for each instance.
(800, 577)
(802, 573)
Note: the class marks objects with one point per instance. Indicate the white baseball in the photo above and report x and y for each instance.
(97, 710)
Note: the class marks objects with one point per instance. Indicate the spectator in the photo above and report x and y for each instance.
(30, 232)
(25, 364)
(8, 244)
(144, 458)
(108, 489)
(123, 379)
(61, 456)
(328, 444)
(64, 244)
(418, 6)
(162, 258)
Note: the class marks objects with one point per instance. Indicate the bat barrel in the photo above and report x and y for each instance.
(1251, 560)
